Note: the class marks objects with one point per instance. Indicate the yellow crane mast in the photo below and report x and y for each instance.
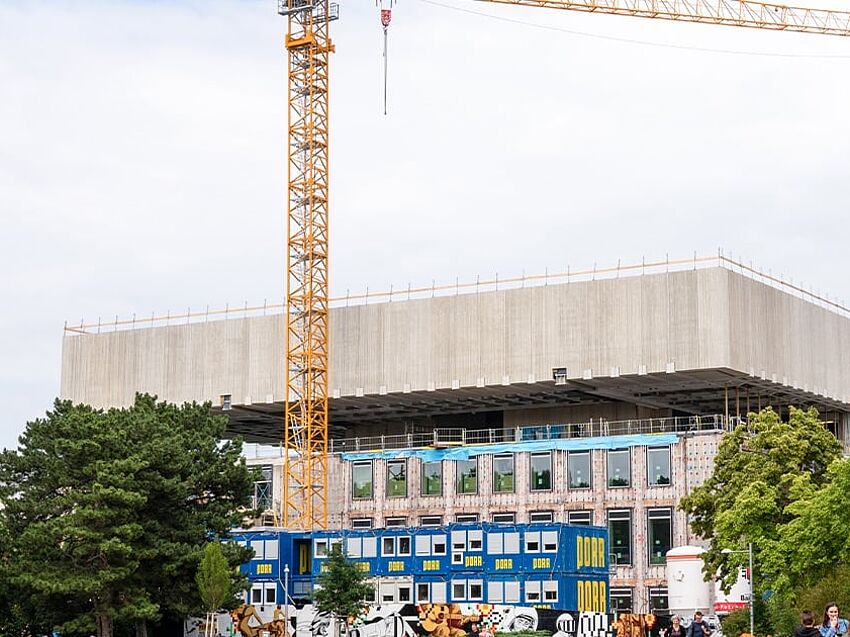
(305, 473)
(304, 503)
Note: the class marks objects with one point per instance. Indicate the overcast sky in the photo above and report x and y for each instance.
(142, 147)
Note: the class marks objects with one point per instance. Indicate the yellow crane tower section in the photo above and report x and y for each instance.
(305, 471)
(304, 503)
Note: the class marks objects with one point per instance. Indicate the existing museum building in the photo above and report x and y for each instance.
(592, 401)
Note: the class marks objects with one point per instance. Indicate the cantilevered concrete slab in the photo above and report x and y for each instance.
(693, 341)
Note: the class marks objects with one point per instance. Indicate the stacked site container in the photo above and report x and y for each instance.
(549, 565)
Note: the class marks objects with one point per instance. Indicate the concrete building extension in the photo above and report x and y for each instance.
(592, 401)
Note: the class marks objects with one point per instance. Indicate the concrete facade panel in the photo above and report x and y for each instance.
(688, 320)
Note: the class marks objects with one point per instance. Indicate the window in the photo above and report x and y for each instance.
(621, 600)
(619, 469)
(432, 479)
(495, 594)
(257, 594)
(423, 544)
(438, 545)
(271, 590)
(393, 592)
(502, 543)
(354, 546)
(504, 518)
(438, 592)
(259, 547)
(532, 592)
(579, 469)
(503, 474)
(466, 518)
(550, 541)
(458, 540)
(459, 589)
(388, 546)
(659, 527)
(658, 466)
(503, 592)
(582, 518)
(658, 600)
(431, 520)
(361, 479)
(263, 489)
(423, 592)
(396, 478)
(620, 534)
(403, 546)
(471, 590)
(467, 476)
(390, 522)
(541, 471)
(264, 549)
(476, 539)
(361, 523)
(550, 591)
(532, 542)
(541, 516)
(370, 547)
(320, 548)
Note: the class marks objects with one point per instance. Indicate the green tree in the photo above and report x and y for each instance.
(215, 585)
(107, 512)
(815, 541)
(342, 588)
(761, 467)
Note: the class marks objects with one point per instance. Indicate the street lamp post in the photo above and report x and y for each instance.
(285, 600)
(752, 588)
(749, 552)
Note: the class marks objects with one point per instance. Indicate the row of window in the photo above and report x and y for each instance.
(573, 517)
(623, 599)
(461, 541)
(659, 529)
(467, 590)
(471, 590)
(580, 475)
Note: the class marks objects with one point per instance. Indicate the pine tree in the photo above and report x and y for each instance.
(107, 512)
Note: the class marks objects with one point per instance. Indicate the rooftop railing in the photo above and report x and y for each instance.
(470, 287)
(442, 438)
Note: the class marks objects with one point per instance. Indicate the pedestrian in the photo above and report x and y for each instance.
(833, 625)
(699, 627)
(676, 629)
(807, 625)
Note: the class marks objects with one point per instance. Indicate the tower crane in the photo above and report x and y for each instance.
(304, 503)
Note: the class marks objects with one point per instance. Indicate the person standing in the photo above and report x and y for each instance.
(833, 625)
(699, 627)
(807, 625)
(676, 629)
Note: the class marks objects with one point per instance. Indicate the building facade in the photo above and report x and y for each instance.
(587, 402)
(630, 483)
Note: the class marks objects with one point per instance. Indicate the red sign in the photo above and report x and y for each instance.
(728, 607)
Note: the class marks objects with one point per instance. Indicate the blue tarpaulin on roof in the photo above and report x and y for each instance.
(469, 451)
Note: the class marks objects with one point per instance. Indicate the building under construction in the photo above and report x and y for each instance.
(592, 397)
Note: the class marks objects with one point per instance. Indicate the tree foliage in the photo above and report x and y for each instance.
(760, 469)
(107, 512)
(214, 578)
(342, 588)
